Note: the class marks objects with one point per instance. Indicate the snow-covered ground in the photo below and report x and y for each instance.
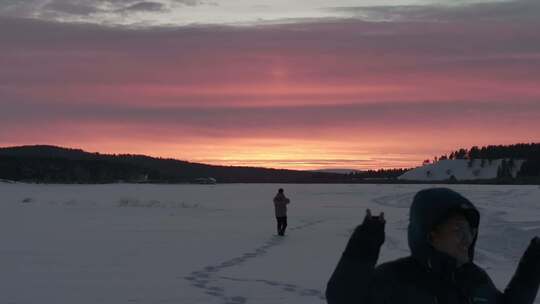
(461, 169)
(134, 243)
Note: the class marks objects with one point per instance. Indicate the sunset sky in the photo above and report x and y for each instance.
(316, 84)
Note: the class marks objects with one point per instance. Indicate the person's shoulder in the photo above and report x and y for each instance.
(395, 267)
(476, 273)
(397, 263)
(473, 268)
(393, 274)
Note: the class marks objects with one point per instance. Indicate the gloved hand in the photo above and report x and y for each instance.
(532, 253)
(523, 288)
(367, 238)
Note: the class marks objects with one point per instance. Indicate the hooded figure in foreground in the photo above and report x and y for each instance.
(442, 234)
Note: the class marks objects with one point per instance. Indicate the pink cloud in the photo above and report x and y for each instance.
(328, 92)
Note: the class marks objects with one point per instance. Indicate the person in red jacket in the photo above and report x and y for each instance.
(280, 206)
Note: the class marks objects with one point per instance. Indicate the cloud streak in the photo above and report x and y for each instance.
(517, 10)
(141, 13)
(144, 7)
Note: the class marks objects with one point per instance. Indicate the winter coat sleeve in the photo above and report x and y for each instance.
(523, 288)
(354, 278)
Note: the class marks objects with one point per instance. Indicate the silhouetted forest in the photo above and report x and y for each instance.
(50, 164)
(529, 152)
(379, 174)
(517, 151)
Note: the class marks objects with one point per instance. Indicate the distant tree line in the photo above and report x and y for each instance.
(517, 151)
(61, 170)
(529, 152)
(50, 164)
(379, 174)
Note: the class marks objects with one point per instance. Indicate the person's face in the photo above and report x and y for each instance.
(454, 237)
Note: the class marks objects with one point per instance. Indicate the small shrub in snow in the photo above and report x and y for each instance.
(133, 202)
(128, 202)
(189, 206)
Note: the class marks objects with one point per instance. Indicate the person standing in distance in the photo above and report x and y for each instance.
(280, 206)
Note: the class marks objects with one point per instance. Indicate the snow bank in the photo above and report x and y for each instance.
(460, 169)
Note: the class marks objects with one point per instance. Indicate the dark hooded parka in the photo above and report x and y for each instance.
(426, 276)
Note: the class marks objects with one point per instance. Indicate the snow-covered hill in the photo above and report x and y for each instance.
(460, 169)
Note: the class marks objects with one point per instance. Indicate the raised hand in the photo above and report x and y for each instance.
(374, 225)
(370, 217)
(533, 251)
(369, 236)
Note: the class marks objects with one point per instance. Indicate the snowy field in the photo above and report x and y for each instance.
(216, 243)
